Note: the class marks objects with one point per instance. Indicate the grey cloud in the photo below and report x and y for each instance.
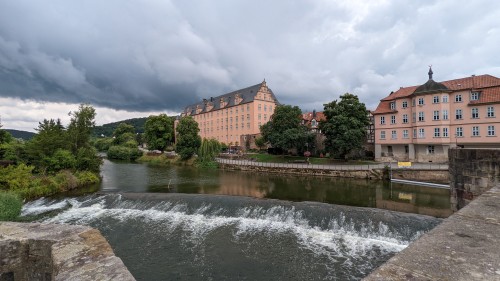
(162, 55)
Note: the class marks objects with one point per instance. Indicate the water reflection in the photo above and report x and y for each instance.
(129, 177)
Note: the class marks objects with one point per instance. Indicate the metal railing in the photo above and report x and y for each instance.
(335, 167)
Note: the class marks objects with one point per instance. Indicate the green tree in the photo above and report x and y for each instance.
(80, 127)
(209, 149)
(285, 130)
(188, 140)
(260, 142)
(5, 137)
(51, 137)
(124, 135)
(345, 126)
(158, 132)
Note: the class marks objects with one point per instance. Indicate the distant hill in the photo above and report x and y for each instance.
(107, 129)
(20, 134)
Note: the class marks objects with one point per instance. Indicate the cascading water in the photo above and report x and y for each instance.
(210, 237)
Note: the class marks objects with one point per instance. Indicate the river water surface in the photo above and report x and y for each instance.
(181, 223)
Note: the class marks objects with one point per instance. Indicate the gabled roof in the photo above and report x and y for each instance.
(488, 85)
(247, 95)
(318, 116)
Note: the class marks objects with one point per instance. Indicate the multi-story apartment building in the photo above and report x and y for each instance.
(231, 117)
(420, 123)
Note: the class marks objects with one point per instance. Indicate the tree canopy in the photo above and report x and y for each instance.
(80, 127)
(188, 140)
(285, 130)
(345, 126)
(158, 132)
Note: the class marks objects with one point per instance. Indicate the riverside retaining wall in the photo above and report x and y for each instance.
(34, 251)
(472, 172)
(466, 246)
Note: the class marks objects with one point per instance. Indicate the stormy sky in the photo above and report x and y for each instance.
(135, 58)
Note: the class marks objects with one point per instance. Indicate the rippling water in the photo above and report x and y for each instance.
(216, 237)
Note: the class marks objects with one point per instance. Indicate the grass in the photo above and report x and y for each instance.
(269, 158)
(10, 206)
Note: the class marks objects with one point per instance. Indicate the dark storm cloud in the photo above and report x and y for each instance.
(163, 55)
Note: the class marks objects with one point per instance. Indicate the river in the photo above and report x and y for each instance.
(181, 223)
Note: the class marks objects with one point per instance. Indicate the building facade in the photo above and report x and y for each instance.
(232, 117)
(420, 123)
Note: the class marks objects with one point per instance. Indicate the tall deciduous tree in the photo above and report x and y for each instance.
(158, 132)
(5, 137)
(285, 130)
(81, 126)
(124, 134)
(188, 140)
(345, 126)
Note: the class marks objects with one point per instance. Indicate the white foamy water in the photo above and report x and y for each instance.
(339, 239)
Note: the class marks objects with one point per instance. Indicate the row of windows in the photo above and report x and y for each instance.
(436, 99)
(440, 132)
(226, 127)
(230, 120)
(229, 111)
(437, 115)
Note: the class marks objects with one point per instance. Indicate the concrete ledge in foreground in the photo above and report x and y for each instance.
(466, 246)
(34, 251)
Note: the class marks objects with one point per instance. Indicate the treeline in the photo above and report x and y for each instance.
(58, 158)
(107, 130)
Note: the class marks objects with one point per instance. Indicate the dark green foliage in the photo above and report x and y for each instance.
(13, 151)
(102, 144)
(345, 126)
(61, 160)
(5, 137)
(10, 206)
(285, 130)
(158, 132)
(81, 126)
(260, 142)
(188, 140)
(88, 160)
(107, 130)
(121, 152)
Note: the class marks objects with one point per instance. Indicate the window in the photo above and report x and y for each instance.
(421, 116)
(413, 102)
(259, 106)
(459, 132)
(265, 107)
(414, 133)
(248, 117)
(445, 132)
(382, 120)
(265, 119)
(430, 149)
(458, 114)
(445, 114)
(382, 135)
(414, 117)
(393, 119)
(475, 131)
(435, 115)
(405, 134)
(259, 116)
(421, 133)
(491, 131)
(475, 113)
(405, 104)
(420, 101)
(474, 96)
(405, 118)
(435, 99)
(437, 132)
(491, 111)
(458, 98)
(445, 98)
(394, 135)
(393, 105)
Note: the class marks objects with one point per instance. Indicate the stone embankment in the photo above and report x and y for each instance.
(418, 172)
(466, 246)
(34, 251)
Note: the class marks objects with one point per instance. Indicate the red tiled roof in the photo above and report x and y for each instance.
(487, 84)
(488, 95)
(308, 116)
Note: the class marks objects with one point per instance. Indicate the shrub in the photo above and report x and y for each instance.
(88, 160)
(10, 206)
(15, 177)
(86, 178)
(124, 153)
(61, 160)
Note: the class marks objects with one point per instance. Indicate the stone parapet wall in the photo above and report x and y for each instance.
(34, 251)
(472, 172)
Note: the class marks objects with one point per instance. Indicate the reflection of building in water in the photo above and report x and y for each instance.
(424, 201)
(239, 184)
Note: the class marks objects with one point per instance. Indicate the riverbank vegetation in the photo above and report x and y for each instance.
(56, 159)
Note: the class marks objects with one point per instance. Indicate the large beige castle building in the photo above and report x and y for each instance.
(233, 117)
(420, 123)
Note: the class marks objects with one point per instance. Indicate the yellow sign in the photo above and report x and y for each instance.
(404, 164)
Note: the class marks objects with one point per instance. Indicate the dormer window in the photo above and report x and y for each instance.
(393, 105)
(313, 123)
(474, 96)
